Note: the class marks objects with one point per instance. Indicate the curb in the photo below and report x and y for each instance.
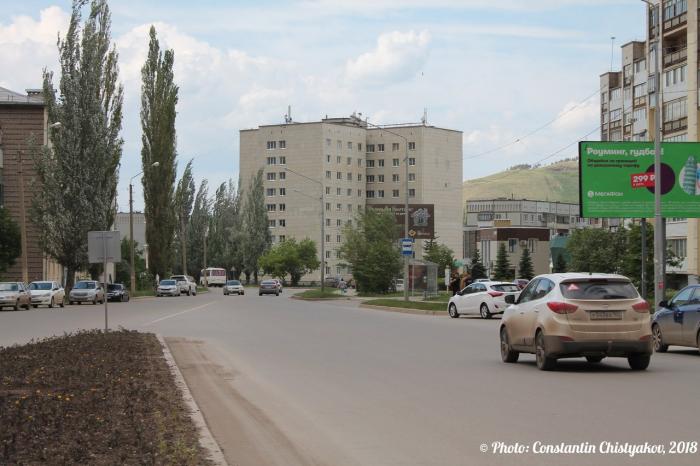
(206, 439)
(404, 310)
(339, 298)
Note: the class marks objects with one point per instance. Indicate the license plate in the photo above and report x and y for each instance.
(606, 315)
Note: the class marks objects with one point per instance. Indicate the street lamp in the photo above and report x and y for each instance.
(323, 224)
(131, 227)
(658, 233)
(405, 223)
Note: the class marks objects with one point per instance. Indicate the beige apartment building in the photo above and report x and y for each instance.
(629, 100)
(341, 165)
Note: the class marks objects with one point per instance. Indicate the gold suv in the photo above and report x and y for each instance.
(568, 315)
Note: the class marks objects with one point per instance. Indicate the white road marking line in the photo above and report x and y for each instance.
(178, 313)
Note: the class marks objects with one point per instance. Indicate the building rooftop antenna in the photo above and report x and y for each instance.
(424, 119)
(288, 116)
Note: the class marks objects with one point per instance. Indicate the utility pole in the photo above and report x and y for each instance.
(23, 221)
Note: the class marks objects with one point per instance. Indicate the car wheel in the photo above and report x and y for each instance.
(507, 353)
(122, 299)
(594, 359)
(639, 362)
(27, 306)
(659, 346)
(35, 306)
(16, 306)
(452, 311)
(94, 301)
(544, 362)
(277, 294)
(484, 311)
(52, 304)
(63, 302)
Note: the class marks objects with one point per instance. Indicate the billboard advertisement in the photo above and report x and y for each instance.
(421, 218)
(616, 179)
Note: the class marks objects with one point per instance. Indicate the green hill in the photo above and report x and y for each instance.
(555, 182)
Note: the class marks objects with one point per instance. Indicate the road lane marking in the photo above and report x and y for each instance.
(178, 314)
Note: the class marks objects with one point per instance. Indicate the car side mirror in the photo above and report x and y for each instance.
(663, 304)
(510, 299)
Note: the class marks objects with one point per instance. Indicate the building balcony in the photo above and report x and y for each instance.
(640, 101)
(675, 125)
(615, 124)
(675, 22)
(676, 57)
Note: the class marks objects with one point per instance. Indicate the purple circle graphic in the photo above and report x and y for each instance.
(668, 178)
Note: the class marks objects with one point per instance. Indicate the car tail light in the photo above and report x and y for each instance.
(561, 308)
(496, 294)
(641, 306)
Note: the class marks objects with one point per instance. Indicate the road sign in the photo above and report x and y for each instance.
(104, 246)
(407, 246)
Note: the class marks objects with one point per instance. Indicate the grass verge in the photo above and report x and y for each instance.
(93, 398)
(420, 305)
(318, 294)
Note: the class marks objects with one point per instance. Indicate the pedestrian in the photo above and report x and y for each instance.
(342, 285)
(454, 284)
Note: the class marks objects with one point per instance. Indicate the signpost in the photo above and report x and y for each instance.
(103, 247)
(407, 246)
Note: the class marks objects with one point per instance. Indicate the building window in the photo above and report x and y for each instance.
(359, 193)
(348, 176)
(337, 269)
(271, 207)
(271, 145)
(337, 191)
(328, 254)
(283, 191)
(675, 109)
(328, 222)
(283, 160)
(283, 207)
(283, 144)
(282, 222)
(328, 206)
(338, 222)
(679, 247)
(349, 145)
(395, 178)
(532, 245)
(359, 147)
(271, 192)
(337, 253)
(349, 160)
(370, 194)
(328, 270)
(272, 160)
(349, 207)
(370, 178)
(271, 223)
(328, 174)
(283, 175)
(380, 178)
(283, 238)
(370, 147)
(411, 146)
(380, 193)
(338, 176)
(370, 164)
(271, 176)
(412, 192)
(349, 191)
(338, 159)
(380, 147)
(512, 245)
(328, 238)
(359, 177)
(395, 193)
(337, 238)
(328, 158)
(411, 177)
(328, 142)
(340, 145)
(395, 162)
(394, 146)
(328, 190)
(359, 162)
(339, 206)
(380, 162)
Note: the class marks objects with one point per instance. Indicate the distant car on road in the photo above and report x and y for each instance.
(186, 283)
(86, 291)
(332, 282)
(484, 298)
(14, 295)
(268, 287)
(677, 322)
(47, 293)
(233, 287)
(168, 288)
(117, 292)
(568, 315)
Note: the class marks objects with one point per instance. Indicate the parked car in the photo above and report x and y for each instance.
(331, 281)
(168, 288)
(279, 284)
(677, 322)
(397, 284)
(47, 293)
(117, 292)
(521, 282)
(233, 287)
(570, 315)
(268, 287)
(186, 283)
(86, 291)
(14, 295)
(484, 298)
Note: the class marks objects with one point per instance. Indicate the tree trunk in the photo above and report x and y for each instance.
(70, 278)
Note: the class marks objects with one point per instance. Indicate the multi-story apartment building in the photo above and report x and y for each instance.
(341, 165)
(629, 100)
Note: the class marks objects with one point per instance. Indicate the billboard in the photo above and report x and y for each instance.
(616, 179)
(421, 218)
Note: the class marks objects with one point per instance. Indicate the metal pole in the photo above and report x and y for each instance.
(323, 241)
(405, 223)
(104, 277)
(23, 220)
(658, 224)
(131, 239)
(643, 228)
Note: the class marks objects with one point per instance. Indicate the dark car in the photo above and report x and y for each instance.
(117, 292)
(269, 287)
(677, 322)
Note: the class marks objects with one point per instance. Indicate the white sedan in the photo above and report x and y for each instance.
(484, 298)
(47, 293)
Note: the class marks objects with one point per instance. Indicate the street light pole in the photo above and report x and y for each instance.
(23, 220)
(323, 224)
(132, 273)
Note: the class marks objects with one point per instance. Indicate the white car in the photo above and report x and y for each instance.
(233, 287)
(484, 298)
(47, 293)
(168, 288)
(186, 283)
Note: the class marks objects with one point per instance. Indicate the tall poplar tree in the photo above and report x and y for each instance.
(77, 175)
(184, 199)
(255, 226)
(159, 96)
(199, 221)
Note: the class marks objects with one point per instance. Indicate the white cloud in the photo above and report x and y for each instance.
(578, 115)
(397, 57)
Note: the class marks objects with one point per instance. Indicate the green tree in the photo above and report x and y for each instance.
(502, 270)
(525, 269)
(255, 226)
(631, 257)
(477, 268)
(123, 268)
(290, 258)
(198, 224)
(221, 247)
(184, 199)
(371, 249)
(10, 241)
(559, 264)
(77, 174)
(159, 96)
(596, 250)
(439, 254)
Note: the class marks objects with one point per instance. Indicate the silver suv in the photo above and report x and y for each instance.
(186, 284)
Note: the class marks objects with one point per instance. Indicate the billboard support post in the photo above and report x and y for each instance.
(658, 226)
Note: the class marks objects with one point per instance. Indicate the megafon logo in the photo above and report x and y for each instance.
(592, 194)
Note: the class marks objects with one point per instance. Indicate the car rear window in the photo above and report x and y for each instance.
(598, 289)
(506, 288)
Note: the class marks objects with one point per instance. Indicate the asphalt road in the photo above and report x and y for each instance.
(330, 383)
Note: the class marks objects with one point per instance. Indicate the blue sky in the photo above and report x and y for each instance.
(493, 69)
